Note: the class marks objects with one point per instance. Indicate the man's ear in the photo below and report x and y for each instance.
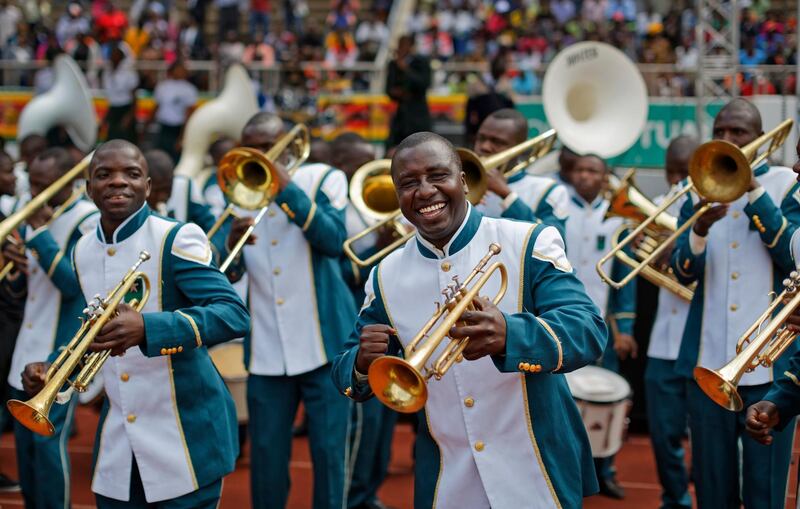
(464, 182)
(147, 188)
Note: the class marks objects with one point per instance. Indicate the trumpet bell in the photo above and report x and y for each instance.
(721, 390)
(397, 384)
(247, 177)
(32, 415)
(474, 174)
(379, 194)
(720, 171)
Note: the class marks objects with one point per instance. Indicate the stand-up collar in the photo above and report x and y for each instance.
(127, 228)
(516, 177)
(579, 201)
(472, 220)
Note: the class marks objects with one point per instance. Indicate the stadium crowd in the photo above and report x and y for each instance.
(518, 37)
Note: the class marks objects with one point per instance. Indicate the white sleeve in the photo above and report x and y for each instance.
(191, 244)
(335, 188)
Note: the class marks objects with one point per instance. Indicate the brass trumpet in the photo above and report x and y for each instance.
(401, 384)
(627, 202)
(33, 414)
(373, 195)
(75, 196)
(762, 350)
(248, 177)
(719, 172)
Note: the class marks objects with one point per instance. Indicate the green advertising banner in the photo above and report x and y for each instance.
(665, 121)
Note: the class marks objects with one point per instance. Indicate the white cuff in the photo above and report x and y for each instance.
(511, 198)
(755, 194)
(697, 243)
(30, 233)
(360, 377)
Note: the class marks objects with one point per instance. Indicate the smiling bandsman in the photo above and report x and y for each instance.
(167, 433)
(489, 435)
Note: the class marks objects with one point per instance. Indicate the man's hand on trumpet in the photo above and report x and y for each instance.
(124, 331)
(373, 343)
(485, 326)
(710, 217)
(40, 217)
(14, 251)
(34, 377)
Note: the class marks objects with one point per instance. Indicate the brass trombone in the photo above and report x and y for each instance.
(373, 195)
(33, 414)
(762, 350)
(627, 202)
(12, 222)
(720, 172)
(248, 177)
(401, 384)
(75, 196)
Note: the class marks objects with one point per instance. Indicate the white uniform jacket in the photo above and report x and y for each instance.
(745, 256)
(53, 303)
(490, 434)
(167, 404)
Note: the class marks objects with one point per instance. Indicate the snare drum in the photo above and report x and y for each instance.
(604, 400)
(229, 360)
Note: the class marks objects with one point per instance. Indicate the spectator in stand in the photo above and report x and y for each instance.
(341, 16)
(231, 50)
(594, 10)
(119, 84)
(371, 34)
(563, 10)
(687, 56)
(464, 26)
(111, 23)
(407, 81)
(258, 51)
(88, 54)
(295, 12)
(259, 16)
(489, 100)
(175, 97)
(341, 49)
(45, 77)
(228, 15)
(136, 37)
(71, 23)
(10, 16)
(751, 55)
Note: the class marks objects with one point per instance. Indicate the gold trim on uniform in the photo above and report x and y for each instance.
(197, 337)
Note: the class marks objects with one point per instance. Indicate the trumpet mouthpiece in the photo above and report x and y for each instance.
(495, 248)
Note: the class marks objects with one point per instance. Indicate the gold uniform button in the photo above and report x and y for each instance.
(521, 366)
(469, 402)
(734, 245)
(736, 214)
(29, 325)
(274, 242)
(163, 351)
(348, 392)
(124, 377)
(279, 302)
(276, 271)
(734, 276)
(111, 251)
(131, 418)
(446, 266)
(526, 366)
(271, 213)
(734, 307)
(180, 349)
(479, 445)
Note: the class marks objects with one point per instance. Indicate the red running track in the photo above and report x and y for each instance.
(635, 465)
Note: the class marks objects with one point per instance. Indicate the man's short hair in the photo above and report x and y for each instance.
(60, 156)
(519, 120)
(263, 118)
(422, 137)
(160, 164)
(346, 139)
(595, 156)
(116, 144)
